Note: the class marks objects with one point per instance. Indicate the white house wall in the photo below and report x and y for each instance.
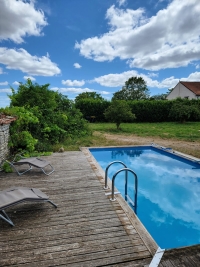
(181, 91)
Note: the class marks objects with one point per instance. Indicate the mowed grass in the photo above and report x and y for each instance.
(189, 131)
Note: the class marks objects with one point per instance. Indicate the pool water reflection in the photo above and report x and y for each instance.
(168, 192)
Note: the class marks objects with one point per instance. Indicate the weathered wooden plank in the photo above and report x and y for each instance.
(86, 229)
(62, 233)
(70, 250)
(64, 258)
(167, 263)
(61, 239)
(135, 263)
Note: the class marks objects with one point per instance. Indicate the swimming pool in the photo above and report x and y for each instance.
(168, 191)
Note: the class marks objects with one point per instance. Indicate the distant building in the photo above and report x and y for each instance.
(189, 90)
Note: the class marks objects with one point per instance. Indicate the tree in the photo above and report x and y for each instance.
(170, 90)
(88, 95)
(118, 112)
(32, 95)
(158, 97)
(56, 114)
(134, 89)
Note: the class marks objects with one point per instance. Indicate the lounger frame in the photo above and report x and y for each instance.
(4, 215)
(32, 162)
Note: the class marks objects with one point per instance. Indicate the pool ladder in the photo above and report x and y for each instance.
(126, 170)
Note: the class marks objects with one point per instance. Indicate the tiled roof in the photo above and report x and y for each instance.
(6, 119)
(192, 86)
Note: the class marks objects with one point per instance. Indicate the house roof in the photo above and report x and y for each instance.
(192, 86)
(6, 119)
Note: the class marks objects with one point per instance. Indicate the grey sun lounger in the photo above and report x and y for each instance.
(15, 195)
(32, 162)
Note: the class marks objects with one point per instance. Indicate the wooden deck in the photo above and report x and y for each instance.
(184, 257)
(86, 229)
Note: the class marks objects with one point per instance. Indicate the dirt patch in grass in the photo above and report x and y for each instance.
(190, 148)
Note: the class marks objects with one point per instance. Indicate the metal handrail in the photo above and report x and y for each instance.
(126, 182)
(106, 172)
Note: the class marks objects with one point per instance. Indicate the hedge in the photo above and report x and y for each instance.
(144, 110)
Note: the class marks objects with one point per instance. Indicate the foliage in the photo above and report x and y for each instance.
(57, 117)
(20, 136)
(88, 95)
(151, 111)
(6, 167)
(158, 97)
(145, 110)
(30, 95)
(134, 89)
(118, 112)
(92, 108)
(182, 110)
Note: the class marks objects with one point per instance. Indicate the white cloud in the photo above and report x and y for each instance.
(77, 66)
(119, 79)
(104, 92)
(152, 74)
(193, 77)
(115, 80)
(5, 90)
(19, 19)
(78, 90)
(20, 59)
(72, 90)
(73, 83)
(121, 2)
(1, 71)
(29, 77)
(3, 83)
(165, 40)
(16, 83)
(4, 101)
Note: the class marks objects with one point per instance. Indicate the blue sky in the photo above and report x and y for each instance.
(97, 45)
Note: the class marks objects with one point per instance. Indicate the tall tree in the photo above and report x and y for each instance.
(88, 95)
(134, 89)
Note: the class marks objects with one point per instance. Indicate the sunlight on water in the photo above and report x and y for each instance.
(168, 192)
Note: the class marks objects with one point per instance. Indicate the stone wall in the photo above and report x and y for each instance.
(5, 122)
(4, 136)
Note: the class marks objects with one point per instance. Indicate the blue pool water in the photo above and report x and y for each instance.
(168, 192)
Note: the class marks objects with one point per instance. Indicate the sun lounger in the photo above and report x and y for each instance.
(32, 162)
(15, 195)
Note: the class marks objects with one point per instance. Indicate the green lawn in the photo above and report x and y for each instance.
(189, 131)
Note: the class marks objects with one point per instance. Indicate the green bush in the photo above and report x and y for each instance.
(151, 110)
(183, 110)
(6, 167)
(20, 136)
(144, 110)
(44, 117)
(93, 108)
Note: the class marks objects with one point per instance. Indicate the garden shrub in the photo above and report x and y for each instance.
(93, 108)
(48, 118)
(183, 110)
(151, 110)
